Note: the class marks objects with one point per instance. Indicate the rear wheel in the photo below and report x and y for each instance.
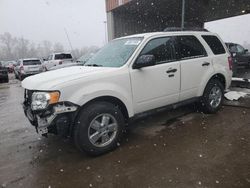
(21, 77)
(99, 127)
(213, 96)
(7, 80)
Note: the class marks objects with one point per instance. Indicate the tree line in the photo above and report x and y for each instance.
(13, 48)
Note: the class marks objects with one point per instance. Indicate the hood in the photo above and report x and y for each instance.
(49, 80)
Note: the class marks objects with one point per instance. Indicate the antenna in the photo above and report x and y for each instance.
(68, 39)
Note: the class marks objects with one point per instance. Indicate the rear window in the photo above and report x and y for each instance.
(31, 62)
(215, 44)
(190, 47)
(63, 56)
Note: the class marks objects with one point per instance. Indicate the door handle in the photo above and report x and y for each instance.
(171, 71)
(205, 64)
(171, 75)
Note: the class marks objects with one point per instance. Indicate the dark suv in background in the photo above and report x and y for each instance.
(4, 78)
(240, 54)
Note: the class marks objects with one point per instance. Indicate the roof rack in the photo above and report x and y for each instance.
(171, 29)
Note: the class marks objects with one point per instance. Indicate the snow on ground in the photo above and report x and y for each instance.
(234, 95)
(240, 79)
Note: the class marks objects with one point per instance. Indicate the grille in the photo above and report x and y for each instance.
(28, 97)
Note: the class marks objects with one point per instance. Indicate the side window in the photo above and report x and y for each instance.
(215, 44)
(190, 47)
(50, 57)
(240, 49)
(161, 48)
(232, 48)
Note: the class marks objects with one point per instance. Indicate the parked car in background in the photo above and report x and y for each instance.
(83, 59)
(28, 67)
(127, 77)
(56, 59)
(79, 62)
(4, 78)
(16, 69)
(9, 65)
(240, 54)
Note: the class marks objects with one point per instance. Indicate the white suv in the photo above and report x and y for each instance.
(129, 76)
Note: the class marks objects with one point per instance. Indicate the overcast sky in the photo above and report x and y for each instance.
(39, 20)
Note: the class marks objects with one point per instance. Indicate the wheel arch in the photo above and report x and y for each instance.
(111, 99)
(218, 76)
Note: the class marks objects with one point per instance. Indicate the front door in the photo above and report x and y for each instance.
(158, 85)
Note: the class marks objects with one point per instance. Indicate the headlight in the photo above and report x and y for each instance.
(41, 100)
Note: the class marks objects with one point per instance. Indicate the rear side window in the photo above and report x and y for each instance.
(31, 62)
(190, 47)
(161, 48)
(215, 44)
(63, 56)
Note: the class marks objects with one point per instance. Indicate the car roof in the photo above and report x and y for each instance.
(30, 59)
(148, 35)
(62, 53)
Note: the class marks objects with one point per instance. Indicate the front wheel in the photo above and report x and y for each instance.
(213, 96)
(99, 128)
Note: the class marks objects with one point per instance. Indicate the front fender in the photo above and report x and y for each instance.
(85, 94)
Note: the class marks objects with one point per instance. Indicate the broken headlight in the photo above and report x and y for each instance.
(41, 100)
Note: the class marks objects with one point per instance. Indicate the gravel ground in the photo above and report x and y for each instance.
(179, 148)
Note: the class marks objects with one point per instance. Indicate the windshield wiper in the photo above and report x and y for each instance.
(93, 65)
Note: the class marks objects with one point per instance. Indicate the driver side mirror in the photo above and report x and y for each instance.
(246, 50)
(144, 61)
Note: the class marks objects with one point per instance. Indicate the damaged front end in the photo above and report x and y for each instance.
(56, 118)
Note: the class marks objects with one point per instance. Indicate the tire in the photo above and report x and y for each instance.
(213, 86)
(84, 130)
(21, 77)
(6, 80)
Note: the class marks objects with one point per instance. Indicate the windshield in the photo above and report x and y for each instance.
(116, 53)
(63, 56)
(31, 62)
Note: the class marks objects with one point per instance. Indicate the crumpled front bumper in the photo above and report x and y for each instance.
(57, 118)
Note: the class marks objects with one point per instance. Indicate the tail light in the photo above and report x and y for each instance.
(60, 62)
(230, 63)
(22, 69)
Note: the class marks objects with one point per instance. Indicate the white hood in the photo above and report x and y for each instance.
(49, 80)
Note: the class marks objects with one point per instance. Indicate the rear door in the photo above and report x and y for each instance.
(49, 63)
(158, 85)
(195, 64)
(32, 66)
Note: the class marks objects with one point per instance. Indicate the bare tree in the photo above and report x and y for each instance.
(58, 47)
(47, 48)
(22, 48)
(12, 48)
(7, 44)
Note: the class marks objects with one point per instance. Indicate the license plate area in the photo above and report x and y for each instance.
(42, 130)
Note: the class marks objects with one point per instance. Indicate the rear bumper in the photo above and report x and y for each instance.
(3, 77)
(29, 73)
(57, 119)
